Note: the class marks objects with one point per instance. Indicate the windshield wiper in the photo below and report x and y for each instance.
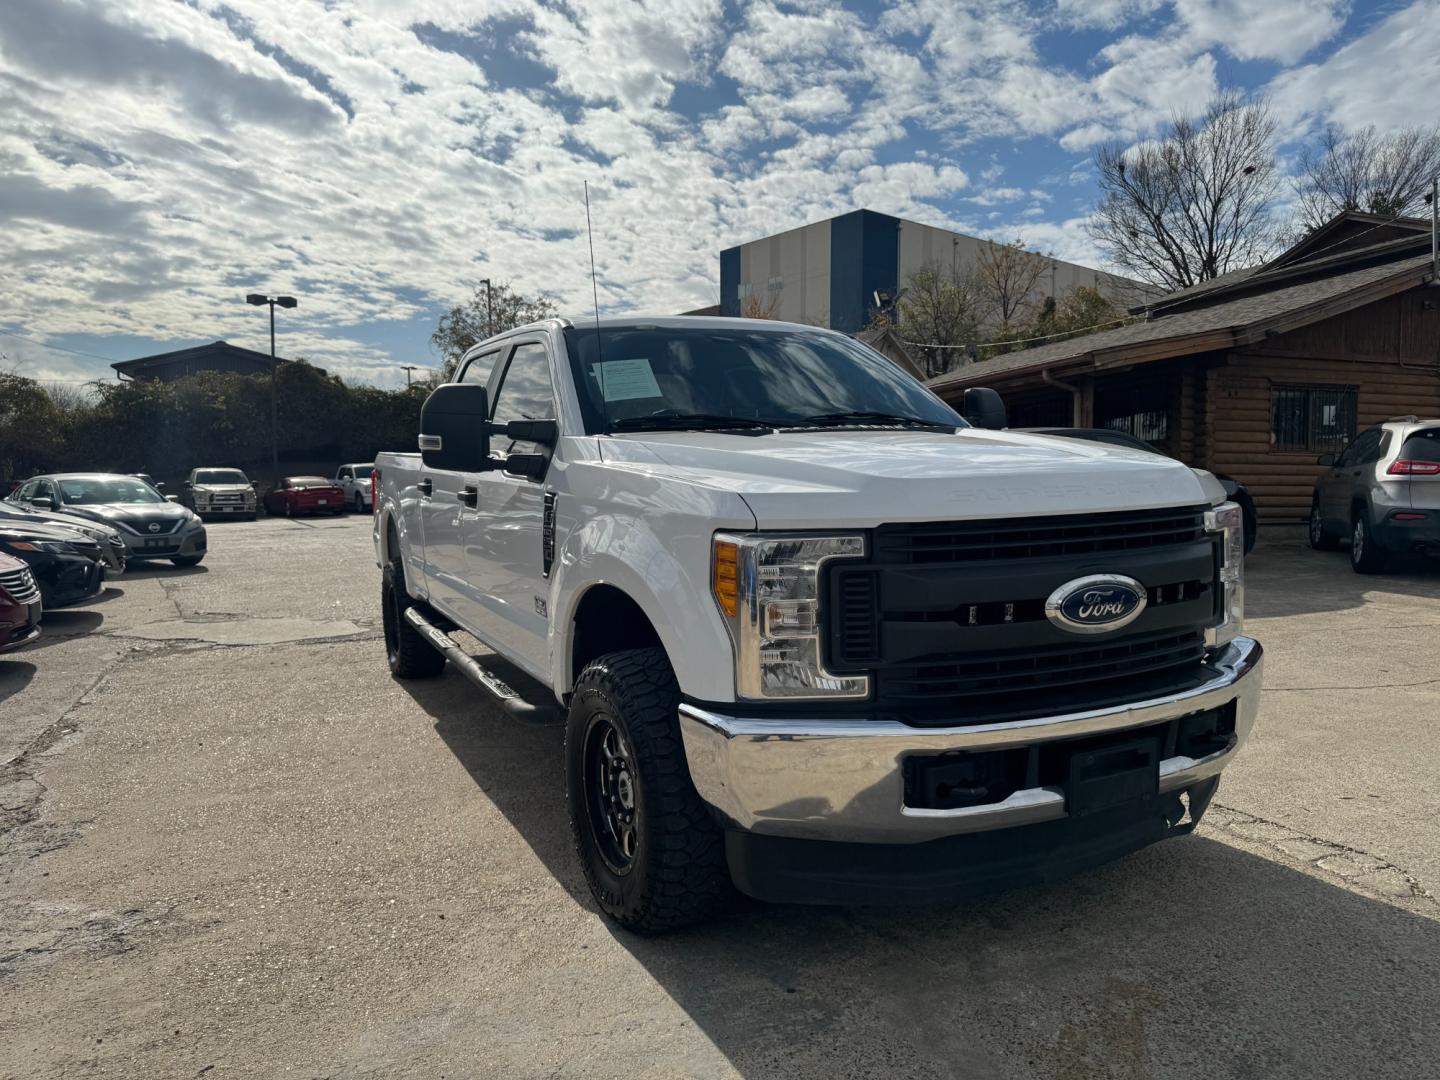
(861, 417)
(695, 422)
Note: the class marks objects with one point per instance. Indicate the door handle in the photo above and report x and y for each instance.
(470, 496)
(426, 487)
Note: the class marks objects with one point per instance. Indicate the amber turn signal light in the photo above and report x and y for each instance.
(725, 576)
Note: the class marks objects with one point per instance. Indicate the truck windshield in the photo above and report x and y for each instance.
(628, 377)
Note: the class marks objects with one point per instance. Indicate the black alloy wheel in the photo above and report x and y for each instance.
(610, 794)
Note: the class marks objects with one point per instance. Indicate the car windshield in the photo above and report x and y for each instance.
(107, 490)
(633, 377)
(220, 476)
(308, 481)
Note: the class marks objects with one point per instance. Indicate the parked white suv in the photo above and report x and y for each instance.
(1382, 494)
(354, 481)
(810, 632)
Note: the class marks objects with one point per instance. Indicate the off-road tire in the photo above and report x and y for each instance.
(187, 560)
(1321, 539)
(407, 653)
(678, 874)
(359, 505)
(1366, 554)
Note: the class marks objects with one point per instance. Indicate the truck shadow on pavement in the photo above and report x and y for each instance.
(1294, 580)
(1191, 958)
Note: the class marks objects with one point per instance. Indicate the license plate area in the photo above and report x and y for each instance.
(1104, 778)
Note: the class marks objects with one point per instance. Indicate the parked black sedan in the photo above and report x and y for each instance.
(68, 566)
(1234, 490)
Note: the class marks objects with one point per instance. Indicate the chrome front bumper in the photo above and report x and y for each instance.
(844, 779)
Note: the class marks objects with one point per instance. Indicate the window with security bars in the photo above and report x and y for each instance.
(1315, 418)
(1142, 411)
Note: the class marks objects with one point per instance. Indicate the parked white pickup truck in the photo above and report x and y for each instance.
(354, 481)
(812, 633)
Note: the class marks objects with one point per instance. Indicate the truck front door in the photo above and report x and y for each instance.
(503, 532)
(446, 521)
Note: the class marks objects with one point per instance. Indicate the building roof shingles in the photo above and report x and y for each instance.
(1237, 315)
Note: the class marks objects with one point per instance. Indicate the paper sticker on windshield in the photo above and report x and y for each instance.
(626, 380)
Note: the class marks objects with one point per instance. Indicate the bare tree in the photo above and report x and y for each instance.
(1194, 203)
(1387, 174)
(941, 307)
(1006, 275)
(761, 306)
(484, 315)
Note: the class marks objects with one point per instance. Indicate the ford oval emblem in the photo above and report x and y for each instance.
(1097, 604)
(154, 526)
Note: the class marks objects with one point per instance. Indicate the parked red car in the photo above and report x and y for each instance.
(19, 605)
(304, 495)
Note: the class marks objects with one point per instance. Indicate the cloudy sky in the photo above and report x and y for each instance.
(159, 159)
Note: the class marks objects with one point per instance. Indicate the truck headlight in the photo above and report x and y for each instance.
(1228, 520)
(768, 589)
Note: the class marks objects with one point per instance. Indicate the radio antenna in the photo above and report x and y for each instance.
(595, 293)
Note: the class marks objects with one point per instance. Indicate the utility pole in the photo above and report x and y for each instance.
(489, 309)
(1435, 229)
(408, 368)
(258, 299)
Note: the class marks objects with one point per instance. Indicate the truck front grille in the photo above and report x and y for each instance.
(949, 618)
(1039, 538)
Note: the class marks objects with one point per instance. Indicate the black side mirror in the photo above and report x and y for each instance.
(530, 466)
(544, 432)
(984, 408)
(159, 485)
(189, 484)
(455, 428)
(1325, 459)
(44, 502)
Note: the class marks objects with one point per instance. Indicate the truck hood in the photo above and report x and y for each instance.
(223, 489)
(864, 478)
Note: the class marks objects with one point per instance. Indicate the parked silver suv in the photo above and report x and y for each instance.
(1383, 493)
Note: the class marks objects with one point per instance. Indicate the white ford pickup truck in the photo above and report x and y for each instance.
(812, 634)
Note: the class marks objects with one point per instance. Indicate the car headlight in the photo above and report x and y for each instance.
(56, 547)
(193, 524)
(768, 589)
(1229, 520)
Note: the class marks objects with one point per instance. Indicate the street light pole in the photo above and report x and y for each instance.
(489, 309)
(286, 302)
(408, 368)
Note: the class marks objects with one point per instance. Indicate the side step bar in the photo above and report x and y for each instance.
(505, 696)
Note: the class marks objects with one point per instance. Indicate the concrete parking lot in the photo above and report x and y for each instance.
(232, 846)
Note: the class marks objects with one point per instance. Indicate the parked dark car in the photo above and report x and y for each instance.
(304, 495)
(20, 605)
(1235, 491)
(67, 566)
(107, 536)
(151, 526)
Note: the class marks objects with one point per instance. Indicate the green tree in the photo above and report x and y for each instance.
(31, 427)
(486, 313)
(942, 309)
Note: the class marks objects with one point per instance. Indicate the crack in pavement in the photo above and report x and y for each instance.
(1357, 868)
(1367, 686)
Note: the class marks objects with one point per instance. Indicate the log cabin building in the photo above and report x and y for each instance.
(1256, 373)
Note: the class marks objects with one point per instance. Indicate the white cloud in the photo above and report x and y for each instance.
(1264, 29)
(1385, 77)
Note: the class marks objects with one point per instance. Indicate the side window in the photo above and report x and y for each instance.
(526, 393)
(1364, 449)
(480, 369)
(344, 474)
(43, 489)
(25, 492)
